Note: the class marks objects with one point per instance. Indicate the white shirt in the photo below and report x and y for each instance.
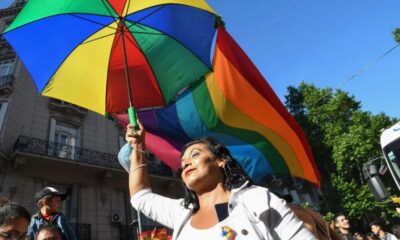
(189, 232)
(389, 236)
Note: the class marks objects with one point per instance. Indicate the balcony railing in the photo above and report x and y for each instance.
(61, 151)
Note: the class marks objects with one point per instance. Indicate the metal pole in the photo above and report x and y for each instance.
(131, 110)
(139, 221)
(128, 82)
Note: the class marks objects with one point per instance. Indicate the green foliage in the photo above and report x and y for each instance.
(342, 138)
(305, 205)
(396, 35)
(328, 217)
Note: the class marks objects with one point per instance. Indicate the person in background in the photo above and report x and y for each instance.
(220, 201)
(342, 224)
(49, 232)
(396, 231)
(377, 229)
(372, 236)
(359, 236)
(14, 220)
(311, 219)
(48, 201)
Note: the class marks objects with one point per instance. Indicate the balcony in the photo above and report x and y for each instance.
(6, 84)
(41, 147)
(38, 147)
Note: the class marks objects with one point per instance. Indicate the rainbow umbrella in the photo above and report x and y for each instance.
(107, 55)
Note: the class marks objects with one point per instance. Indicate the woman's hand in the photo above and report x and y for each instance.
(135, 136)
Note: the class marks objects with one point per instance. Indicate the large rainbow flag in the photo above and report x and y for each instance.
(234, 104)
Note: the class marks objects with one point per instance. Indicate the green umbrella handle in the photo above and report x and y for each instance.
(132, 117)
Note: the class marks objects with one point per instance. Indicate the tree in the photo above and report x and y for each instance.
(396, 35)
(342, 138)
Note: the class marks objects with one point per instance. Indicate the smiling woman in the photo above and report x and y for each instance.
(220, 201)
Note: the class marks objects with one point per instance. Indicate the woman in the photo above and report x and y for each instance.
(220, 202)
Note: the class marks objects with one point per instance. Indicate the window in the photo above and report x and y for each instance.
(3, 109)
(6, 67)
(64, 139)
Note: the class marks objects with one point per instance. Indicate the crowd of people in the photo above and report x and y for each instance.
(342, 225)
(220, 202)
(48, 223)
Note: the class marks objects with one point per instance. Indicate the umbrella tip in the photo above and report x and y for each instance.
(218, 22)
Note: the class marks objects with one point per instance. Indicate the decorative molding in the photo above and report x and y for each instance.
(67, 110)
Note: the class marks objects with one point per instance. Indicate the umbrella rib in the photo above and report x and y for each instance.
(148, 15)
(92, 40)
(176, 40)
(89, 20)
(163, 34)
(115, 42)
(135, 44)
(144, 55)
(108, 10)
(127, 9)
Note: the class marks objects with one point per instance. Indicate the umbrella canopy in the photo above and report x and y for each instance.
(92, 53)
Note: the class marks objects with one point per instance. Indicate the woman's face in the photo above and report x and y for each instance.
(202, 171)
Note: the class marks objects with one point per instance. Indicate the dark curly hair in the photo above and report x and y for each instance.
(234, 175)
(12, 210)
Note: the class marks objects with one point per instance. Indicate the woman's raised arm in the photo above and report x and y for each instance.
(138, 175)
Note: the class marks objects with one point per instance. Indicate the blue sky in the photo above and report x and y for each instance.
(321, 42)
(5, 3)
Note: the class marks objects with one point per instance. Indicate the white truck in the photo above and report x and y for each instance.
(390, 143)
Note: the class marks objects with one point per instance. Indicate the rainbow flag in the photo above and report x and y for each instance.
(234, 104)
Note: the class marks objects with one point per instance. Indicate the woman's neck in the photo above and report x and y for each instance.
(217, 195)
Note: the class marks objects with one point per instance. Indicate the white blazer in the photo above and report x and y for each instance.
(254, 213)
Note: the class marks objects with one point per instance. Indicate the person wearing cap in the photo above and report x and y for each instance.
(48, 201)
